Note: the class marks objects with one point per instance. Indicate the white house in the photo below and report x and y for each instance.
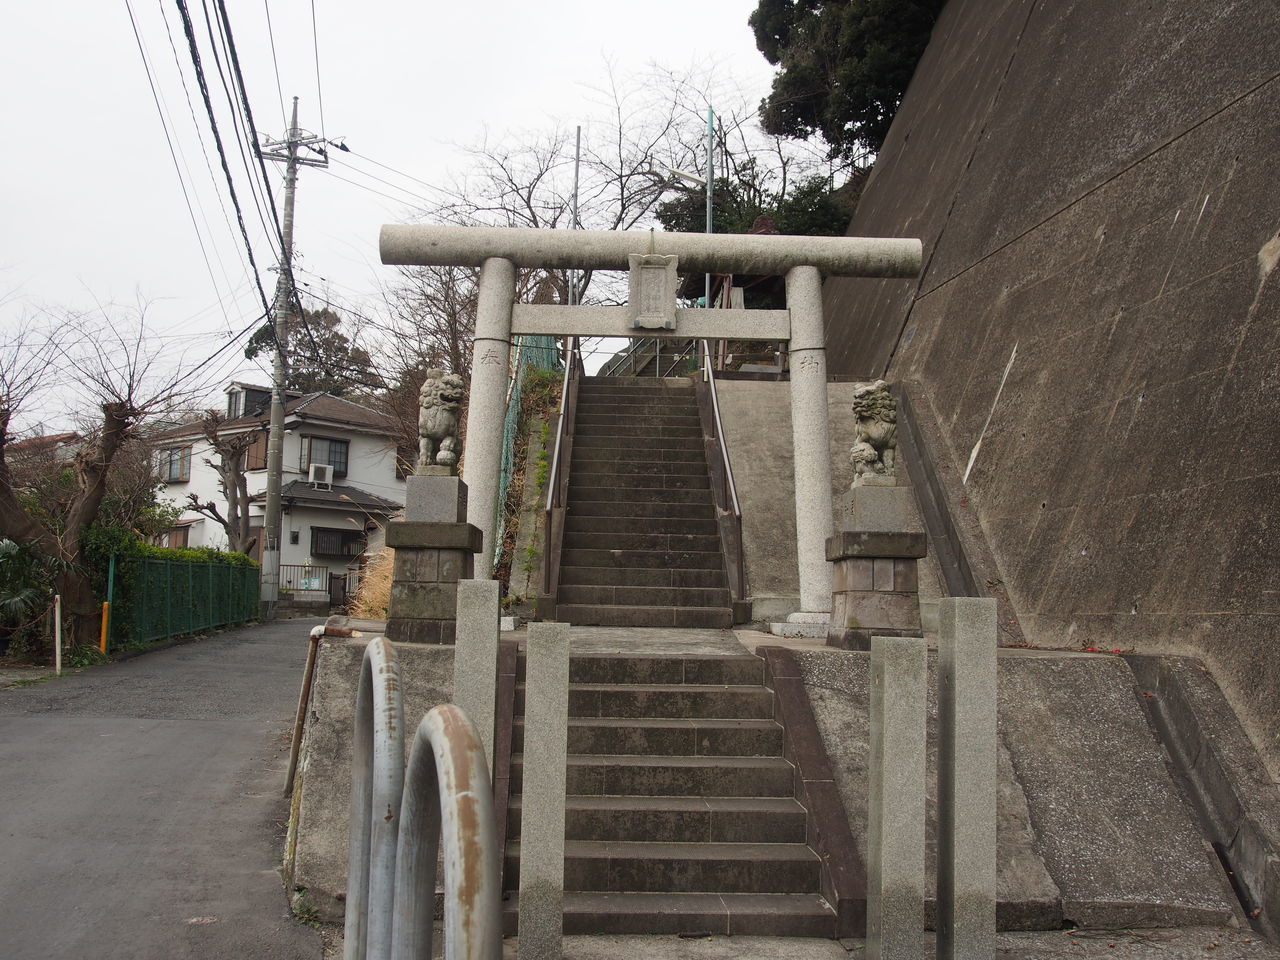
(342, 480)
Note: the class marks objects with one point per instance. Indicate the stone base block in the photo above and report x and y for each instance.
(405, 630)
(879, 508)
(857, 638)
(800, 629)
(435, 499)
(423, 601)
(411, 533)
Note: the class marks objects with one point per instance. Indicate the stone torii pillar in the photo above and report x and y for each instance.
(499, 251)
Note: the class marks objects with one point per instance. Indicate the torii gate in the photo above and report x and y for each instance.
(651, 258)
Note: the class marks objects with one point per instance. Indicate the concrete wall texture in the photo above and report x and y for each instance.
(1095, 186)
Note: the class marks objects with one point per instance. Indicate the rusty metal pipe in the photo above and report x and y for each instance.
(448, 797)
(300, 719)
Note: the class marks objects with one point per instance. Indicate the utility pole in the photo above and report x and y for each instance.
(285, 151)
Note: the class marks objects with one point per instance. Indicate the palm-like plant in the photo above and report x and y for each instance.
(24, 584)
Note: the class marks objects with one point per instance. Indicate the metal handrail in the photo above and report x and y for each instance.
(708, 374)
(611, 368)
(570, 368)
(397, 818)
(689, 345)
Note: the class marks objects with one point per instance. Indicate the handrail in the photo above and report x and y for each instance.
(572, 370)
(395, 831)
(611, 368)
(689, 345)
(708, 374)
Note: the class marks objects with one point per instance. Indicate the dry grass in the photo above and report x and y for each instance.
(371, 600)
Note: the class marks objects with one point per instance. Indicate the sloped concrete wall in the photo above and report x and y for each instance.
(1096, 188)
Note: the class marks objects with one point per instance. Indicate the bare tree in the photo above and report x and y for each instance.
(230, 449)
(110, 362)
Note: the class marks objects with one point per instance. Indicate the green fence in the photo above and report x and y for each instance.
(153, 598)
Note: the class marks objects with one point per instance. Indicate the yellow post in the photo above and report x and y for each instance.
(102, 636)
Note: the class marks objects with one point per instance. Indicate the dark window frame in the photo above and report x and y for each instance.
(306, 459)
(179, 457)
(337, 542)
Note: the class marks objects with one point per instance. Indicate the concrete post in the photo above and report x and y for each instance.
(896, 799)
(809, 426)
(966, 922)
(482, 457)
(475, 661)
(546, 724)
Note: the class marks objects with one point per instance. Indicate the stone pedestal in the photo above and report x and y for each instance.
(874, 589)
(435, 548)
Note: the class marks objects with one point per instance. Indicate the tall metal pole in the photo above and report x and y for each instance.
(710, 181)
(286, 151)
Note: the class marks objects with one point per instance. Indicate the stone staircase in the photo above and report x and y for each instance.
(641, 545)
(681, 814)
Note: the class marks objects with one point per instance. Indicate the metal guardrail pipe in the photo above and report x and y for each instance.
(397, 818)
(377, 784)
(448, 791)
(709, 372)
(401, 244)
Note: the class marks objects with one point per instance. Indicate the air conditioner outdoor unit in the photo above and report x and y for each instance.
(320, 476)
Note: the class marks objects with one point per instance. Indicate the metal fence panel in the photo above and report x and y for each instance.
(156, 598)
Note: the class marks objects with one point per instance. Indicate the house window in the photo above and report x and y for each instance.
(175, 464)
(234, 400)
(325, 450)
(328, 542)
(255, 455)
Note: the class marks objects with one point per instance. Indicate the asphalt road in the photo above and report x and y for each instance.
(140, 805)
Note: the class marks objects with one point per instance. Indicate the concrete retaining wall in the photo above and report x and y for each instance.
(1094, 184)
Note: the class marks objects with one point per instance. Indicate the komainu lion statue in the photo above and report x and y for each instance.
(439, 401)
(875, 436)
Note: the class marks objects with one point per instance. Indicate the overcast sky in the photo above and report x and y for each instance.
(93, 208)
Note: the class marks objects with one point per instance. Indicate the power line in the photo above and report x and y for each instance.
(399, 200)
(315, 46)
(172, 152)
(238, 125)
(182, 76)
(189, 30)
(394, 186)
(284, 116)
(213, 356)
(399, 173)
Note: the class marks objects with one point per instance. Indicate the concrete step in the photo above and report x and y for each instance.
(596, 436)
(641, 577)
(677, 819)
(621, 668)
(586, 615)
(714, 914)
(716, 701)
(613, 487)
(622, 776)
(661, 509)
(636, 384)
(668, 737)
(599, 415)
(628, 596)
(677, 406)
(621, 540)
(690, 453)
(601, 865)
(608, 558)
(677, 474)
(588, 523)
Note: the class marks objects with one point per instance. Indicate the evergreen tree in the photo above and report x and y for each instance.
(845, 65)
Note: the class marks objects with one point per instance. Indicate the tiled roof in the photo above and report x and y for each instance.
(340, 497)
(308, 406)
